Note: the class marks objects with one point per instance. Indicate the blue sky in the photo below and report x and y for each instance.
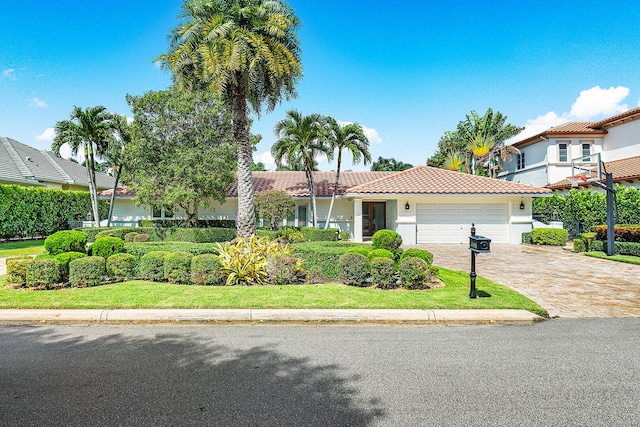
(406, 70)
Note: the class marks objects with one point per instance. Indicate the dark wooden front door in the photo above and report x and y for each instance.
(374, 217)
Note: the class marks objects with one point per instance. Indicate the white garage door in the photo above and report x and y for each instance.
(451, 223)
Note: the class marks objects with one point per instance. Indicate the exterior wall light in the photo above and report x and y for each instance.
(406, 206)
(521, 205)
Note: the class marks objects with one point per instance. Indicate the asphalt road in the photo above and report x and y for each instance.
(559, 372)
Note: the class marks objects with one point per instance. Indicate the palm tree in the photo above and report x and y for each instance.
(115, 152)
(302, 136)
(248, 54)
(351, 137)
(90, 129)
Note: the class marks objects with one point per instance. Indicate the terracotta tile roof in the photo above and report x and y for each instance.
(429, 180)
(622, 170)
(570, 128)
(630, 114)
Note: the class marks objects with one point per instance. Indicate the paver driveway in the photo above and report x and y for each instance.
(565, 283)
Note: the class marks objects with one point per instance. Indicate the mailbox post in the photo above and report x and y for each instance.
(477, 245)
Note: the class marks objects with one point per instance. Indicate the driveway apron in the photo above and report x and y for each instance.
(565, 283)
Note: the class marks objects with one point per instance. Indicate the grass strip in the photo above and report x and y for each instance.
(629, 259)
(22, 247)
(143, 294)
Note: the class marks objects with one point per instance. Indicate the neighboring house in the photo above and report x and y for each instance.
(24, 165)
(545, 158)
(423, 204)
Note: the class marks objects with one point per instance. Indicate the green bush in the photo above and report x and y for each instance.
(87, 271)
(382, 273)
(579, 245)
(621, 233)
(128, 238)
(200, 235)
(184, 223)
(205, 270)
(121, 266)
(139, 249)
(106, 246)
(273, 206)
(291, 235)
(17, 269)
(324, 255)
(271, 234)
(418, 253)
(152, 265)
(413, 272)
(142, 237)
(620, 248)
(526, 238)
(361, 251)
(43, 272)
(354, 269)
(64, 259)
(386, 239)
(344, 235)
(177, 267)
(320, 234)
(65, 241)
(284, 269)
(549, 236)
(588, 239)
(380, 253)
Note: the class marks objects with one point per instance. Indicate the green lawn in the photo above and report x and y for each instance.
(142, 294)
(619, 258)
(23, 247)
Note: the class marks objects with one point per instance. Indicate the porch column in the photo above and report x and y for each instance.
(357, 220)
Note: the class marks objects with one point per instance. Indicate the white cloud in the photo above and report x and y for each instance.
(38, 103)
(47, 135)
(540, 124)
(9, 73)
(267, 159)
(371, 133)
(596, 102)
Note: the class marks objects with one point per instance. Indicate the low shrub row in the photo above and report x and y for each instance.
(183, 223)
(620, 248)
(324, 256)
(621, 233)
(549, 236)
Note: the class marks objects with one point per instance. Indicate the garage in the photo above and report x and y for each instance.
(451, 223)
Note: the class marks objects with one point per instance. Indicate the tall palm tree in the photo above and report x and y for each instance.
(248, 54)
(115, 152)
(90, 129)
(304, 136)
(349, 136)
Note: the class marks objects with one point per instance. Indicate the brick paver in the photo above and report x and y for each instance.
(565, 283)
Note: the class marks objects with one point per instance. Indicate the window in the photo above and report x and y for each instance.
(160, 212)
(520, 161)
(586, 149)
(563, 153)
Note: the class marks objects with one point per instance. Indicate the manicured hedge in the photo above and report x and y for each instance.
(151, 265)
(177, 267)
(34, 211)
(320, 234)
(620, 248)
(353, 269)
(622, 233)
(157, 234)
(418, 253)
(205, 270)
(43, 272)
(65, 241)
(121, 266)
(379, 253)
(202, 223)
(87, 271)
(386, 239)
(64, 259)
(324, 255)
(382, 272)
(526, 238)
(138, 249)
(17, 269)
(549, 236)
(106, 246)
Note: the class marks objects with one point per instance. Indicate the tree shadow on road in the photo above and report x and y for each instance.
(48, 378)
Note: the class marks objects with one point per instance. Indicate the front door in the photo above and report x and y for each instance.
(374, 217)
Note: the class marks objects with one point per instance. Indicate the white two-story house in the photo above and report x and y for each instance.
(545, 158)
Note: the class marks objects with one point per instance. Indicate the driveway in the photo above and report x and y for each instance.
(565, 283)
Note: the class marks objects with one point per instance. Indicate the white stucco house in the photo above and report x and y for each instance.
(545, 159)
(423, 204)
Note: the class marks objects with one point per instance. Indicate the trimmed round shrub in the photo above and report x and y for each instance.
(361, 251)
(17, 269)
(579, 245)
(344, 235)
(549, 236)
(379, 253)
(418, 253)
(142, 237)
(43, 272)
(128, 238)
(386, 239)
(64, 259)
(382, 273)
(46, 256)
(397, 254)
(177, 267)
(291, 235)
(205, 270)
(283, 269)
(413, 272)
(87, 271)
(353, 269)
(152, 265)
(106, 246)
(65, 241)
(121, 266)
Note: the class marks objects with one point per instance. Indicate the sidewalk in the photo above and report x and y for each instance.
(249, 315)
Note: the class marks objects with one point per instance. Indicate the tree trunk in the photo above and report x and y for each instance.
(93, 192)
(113, 196)
(312, 193)
(335, 189)
(246, 219)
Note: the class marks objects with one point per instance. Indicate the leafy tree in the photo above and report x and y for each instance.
(351, 137)
(274, 206)
(258, 167)
(452, 153)
(91, 130)
(303, 136)
(123, 132)
(182, 152)
(247, 53)
(389, 165)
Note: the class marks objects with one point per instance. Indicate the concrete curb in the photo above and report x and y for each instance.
(265, 315)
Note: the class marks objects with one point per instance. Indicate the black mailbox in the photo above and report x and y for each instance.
(479, 244)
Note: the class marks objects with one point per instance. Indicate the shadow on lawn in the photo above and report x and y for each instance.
(53, 379)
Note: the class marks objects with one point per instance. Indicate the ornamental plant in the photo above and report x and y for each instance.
(65, 241)
(283, 269)
(121, 266)
(418, 253)
(413, 272)
(380, 253)
(106, 246)
(354, 269)
(152, 265)
(382, 272)
(64, 259)
(43, 272)
(17, 269)
(205, 270)
(386, 239)
(87, 271)
(273, 206)
(177, 267)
